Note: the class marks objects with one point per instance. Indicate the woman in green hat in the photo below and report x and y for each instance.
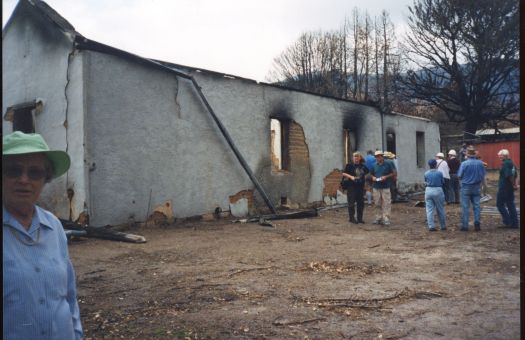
(39, 292)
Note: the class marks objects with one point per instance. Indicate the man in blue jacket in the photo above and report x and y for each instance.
(471, 173)
(370, 161)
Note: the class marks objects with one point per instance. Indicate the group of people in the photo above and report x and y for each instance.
(448, 181)
(39, 291)
(469, 179)
(377, 175)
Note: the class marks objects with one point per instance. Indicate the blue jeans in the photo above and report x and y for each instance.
(507, 207)
(454, 191)
(435, 199)
(470, 194)
(446, 189)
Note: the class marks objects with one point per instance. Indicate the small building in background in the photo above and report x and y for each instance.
(490, 141)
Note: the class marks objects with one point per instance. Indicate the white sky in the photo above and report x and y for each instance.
(239, 37)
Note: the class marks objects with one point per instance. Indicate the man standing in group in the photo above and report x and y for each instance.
(453, 166)
(506, 187)
(471, 173)
(442, 166)
(370, 161)
(463, 153)
(382, 175)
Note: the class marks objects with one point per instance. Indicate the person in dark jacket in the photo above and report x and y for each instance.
(453, 165)
(506, 186)
(354, 174)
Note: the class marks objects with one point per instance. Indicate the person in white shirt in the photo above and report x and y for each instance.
(442, 166)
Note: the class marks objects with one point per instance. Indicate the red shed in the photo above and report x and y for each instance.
(491, 143)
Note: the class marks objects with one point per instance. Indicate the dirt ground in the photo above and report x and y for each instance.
(315, 278)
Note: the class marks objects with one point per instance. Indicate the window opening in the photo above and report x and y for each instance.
(280, 130)
(349, 145)
(23, 115)
(391, 142)
(23, 121)
(420, 149)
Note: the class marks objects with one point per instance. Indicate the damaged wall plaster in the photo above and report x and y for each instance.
(241, 204)
(152, 139)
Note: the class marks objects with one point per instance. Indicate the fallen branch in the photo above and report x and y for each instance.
(335, 206)
(292, 215)
(371, 303)
(278, 322)
(353, 300)
(102, 232)
(348, 305)
(249, 270)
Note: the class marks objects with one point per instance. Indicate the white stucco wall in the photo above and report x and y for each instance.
(139, 136)
(35, 65)
(405, 129)
(147, 134)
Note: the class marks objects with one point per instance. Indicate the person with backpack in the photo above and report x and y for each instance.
(506, 186)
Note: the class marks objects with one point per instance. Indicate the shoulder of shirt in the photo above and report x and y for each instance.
(47, 218)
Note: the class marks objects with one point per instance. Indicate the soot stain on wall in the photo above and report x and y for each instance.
(353, 121)
(281, 110)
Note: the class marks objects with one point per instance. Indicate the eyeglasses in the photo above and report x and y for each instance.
(35, 173)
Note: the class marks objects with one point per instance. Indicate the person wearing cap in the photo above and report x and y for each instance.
(434, 196)
(442, 166)
(506, 186)
(382, 175)
(471, 173)
(39, 291)
(453, 166)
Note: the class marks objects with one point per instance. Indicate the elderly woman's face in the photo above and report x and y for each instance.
(23, 178)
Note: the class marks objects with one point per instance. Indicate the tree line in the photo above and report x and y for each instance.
(458, 57)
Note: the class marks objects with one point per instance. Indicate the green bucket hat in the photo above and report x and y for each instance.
(19, 143)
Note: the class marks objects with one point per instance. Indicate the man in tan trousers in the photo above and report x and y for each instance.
(383, 173)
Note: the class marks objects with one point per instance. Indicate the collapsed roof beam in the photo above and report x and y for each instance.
(234, 148)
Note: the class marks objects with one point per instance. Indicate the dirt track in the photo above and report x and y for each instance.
(317, 278)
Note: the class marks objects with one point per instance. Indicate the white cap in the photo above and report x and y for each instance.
(452, 152)
(440, 155)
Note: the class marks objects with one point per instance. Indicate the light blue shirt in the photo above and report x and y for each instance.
(471, 171)
(40, 298)
(370, 161)
(433, 179)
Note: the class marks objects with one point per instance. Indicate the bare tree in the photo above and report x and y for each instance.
(314, 63)
(466, 56)
(323, 62)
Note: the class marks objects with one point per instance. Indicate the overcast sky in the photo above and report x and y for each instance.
(239, 37)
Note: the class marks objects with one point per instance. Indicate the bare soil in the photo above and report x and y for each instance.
(316, 278)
